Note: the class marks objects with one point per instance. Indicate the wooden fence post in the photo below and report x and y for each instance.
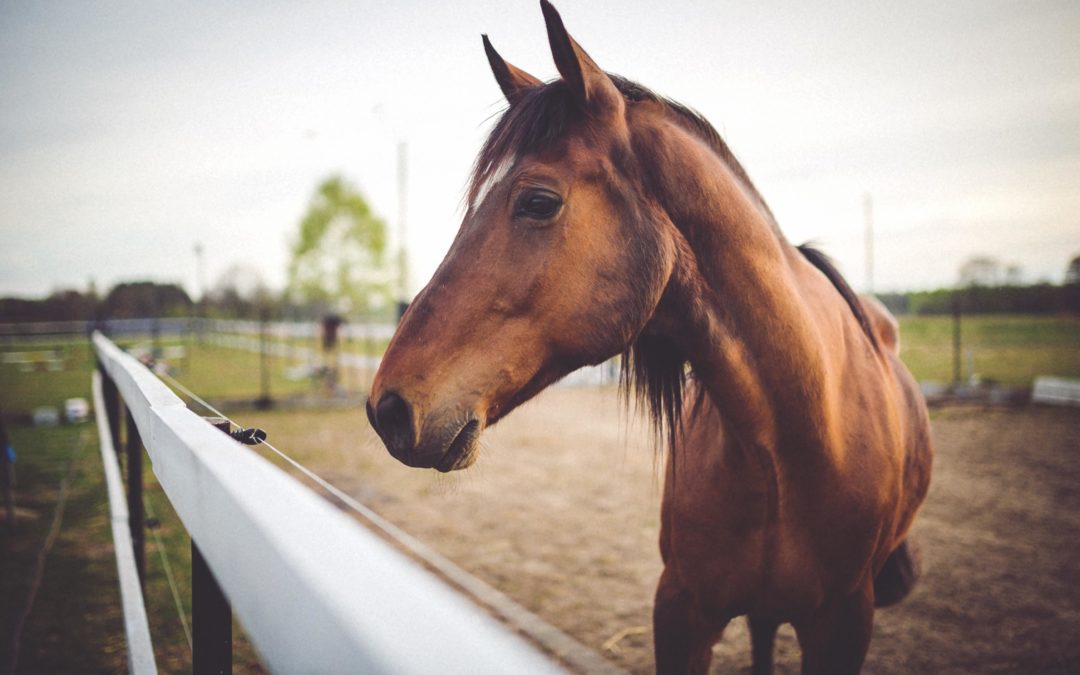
(112, 406)
(133, 448)
(956, 312)
(211, 615)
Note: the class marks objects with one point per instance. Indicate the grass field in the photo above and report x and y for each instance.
(63, 631)
(1012, 350)
(74, 621)
(216, 373)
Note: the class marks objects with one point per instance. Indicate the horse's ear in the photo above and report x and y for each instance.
(513, 81)
(589, 84)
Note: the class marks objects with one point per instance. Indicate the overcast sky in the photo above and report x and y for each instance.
(131, 131)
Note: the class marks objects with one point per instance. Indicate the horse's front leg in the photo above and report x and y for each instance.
(762, 636)
(834, 639)
(682, 636)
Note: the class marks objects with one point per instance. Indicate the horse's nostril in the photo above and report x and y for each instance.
(393, 421)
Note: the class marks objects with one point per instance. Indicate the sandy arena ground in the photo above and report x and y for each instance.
(561, 513)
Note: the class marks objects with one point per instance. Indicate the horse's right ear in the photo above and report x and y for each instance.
(587, 82)
(513, 81)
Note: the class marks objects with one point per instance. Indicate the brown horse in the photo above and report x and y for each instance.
(603, 219)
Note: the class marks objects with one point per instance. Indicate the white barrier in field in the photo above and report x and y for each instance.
(315, 592)
(253, 344)
(1056, 391)
(606, 373)
(300, 329)
(140, 648)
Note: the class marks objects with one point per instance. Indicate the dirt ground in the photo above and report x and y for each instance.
(561, 513)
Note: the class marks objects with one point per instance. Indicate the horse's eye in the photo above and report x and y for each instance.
(537, 204)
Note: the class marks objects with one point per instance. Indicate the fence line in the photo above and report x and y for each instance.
(587, 376)
(315, 591)
(178, 325)
(140, 649)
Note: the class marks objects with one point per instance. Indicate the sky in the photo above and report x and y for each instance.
(130, 132)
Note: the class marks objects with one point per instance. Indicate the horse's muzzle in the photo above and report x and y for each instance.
(442, 442)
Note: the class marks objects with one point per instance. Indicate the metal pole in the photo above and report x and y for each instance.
(211, 615)
(264, 402)
(134, 450)
(155, 335)
(956, 338)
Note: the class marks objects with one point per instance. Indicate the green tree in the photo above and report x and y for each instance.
(339, 257)
(142, 299)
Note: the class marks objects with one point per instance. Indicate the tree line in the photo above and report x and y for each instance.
(1042, 298)
(149, 299)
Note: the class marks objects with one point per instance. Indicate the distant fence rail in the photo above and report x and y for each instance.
(356, 330)
(1056, 391)
(286, 338)
(315, 592)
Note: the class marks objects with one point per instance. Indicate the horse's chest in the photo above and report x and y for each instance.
(741, 545)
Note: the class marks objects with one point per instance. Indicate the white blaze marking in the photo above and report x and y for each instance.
(493, 179)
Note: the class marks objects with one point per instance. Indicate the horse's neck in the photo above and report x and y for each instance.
(735, 303)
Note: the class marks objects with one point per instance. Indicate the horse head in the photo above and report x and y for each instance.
(559, 262)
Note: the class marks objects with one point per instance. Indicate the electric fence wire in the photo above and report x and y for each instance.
(160, 546)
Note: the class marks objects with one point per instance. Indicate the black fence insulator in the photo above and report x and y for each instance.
(252, 436)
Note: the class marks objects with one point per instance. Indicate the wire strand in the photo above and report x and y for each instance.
(193, 396)
(400, 536)
(168, 573)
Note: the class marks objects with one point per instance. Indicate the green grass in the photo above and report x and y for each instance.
(76, 623)
(223, 373)
(1009, 349)
(25, 388)
(215, 373)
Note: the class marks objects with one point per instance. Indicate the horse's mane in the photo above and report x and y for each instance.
(652, 366)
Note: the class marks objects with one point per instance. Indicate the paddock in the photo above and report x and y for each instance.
(561, 513)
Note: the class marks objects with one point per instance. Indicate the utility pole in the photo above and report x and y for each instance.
(403, 257)
(868, 216)
(200, 272)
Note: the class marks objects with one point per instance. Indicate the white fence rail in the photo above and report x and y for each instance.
(1056, 391)
(315, 592)
(139, 645)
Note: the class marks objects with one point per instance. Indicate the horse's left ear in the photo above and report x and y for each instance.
(589, 84)
(513, 81)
